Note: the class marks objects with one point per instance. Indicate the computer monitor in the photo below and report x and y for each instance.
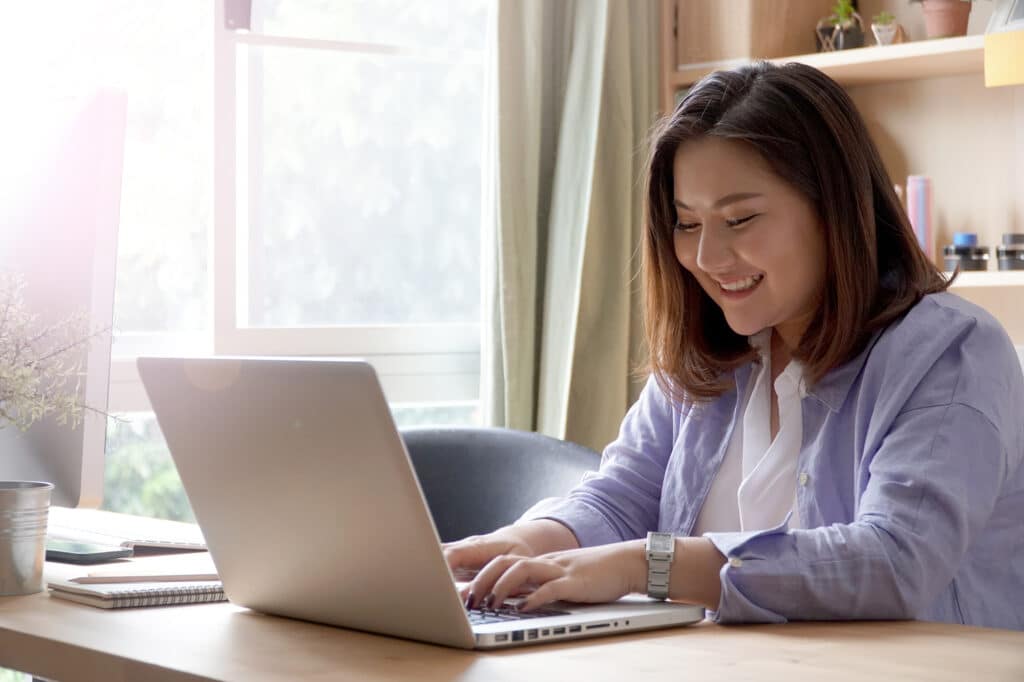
(60, 196)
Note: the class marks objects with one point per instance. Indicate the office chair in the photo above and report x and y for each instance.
(478, 479)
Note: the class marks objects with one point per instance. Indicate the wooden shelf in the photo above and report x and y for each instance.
(878, 64)
(990, 278)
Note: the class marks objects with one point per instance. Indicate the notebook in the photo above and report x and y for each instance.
(189, 567)
(124, 530)
(127, 595)
(311, 508)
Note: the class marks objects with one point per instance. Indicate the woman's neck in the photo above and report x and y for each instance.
(781, 354)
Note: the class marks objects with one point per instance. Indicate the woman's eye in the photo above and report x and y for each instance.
(687, 227)
(740, 221)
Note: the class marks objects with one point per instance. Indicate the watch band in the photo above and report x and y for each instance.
(660, 551)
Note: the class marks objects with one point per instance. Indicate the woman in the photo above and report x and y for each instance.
(826, 433)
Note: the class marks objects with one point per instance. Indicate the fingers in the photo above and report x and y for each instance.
(545, 594)
(508, 575)
(471, 553)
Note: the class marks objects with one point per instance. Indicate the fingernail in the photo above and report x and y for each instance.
(469, 600)
(489, 601)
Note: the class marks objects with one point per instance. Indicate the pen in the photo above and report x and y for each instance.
(95, 579)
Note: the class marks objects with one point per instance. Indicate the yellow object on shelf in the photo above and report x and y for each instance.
(1004, 58)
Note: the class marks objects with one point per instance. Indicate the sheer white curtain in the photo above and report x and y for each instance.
(573, 94)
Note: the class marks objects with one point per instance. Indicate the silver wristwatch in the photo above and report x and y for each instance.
(660, 549)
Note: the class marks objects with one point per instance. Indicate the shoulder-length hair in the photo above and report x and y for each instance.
(809, 132)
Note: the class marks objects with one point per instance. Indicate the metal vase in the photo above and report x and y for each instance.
(24, 506)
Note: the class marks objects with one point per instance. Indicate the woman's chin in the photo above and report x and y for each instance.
(745, 327)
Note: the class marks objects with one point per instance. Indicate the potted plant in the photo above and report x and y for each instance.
(945, 18)
(885, 28)
(40, 366)
(841, 30)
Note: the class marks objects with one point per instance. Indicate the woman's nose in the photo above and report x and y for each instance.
(714, 252)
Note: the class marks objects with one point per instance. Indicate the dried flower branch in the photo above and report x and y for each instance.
(40, 365)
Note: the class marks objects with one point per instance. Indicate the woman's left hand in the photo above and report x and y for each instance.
(590, 575)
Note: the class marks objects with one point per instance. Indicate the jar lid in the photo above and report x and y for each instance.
(965, 239)
(1013, 238)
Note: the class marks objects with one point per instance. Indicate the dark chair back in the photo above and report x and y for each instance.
(478, 479)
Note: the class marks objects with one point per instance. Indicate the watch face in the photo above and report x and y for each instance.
(661, 542)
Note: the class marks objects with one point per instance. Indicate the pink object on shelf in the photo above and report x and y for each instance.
(919, 209)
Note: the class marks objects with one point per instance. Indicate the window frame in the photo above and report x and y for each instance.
(417, 363)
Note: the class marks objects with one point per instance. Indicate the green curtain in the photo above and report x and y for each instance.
(572, 96)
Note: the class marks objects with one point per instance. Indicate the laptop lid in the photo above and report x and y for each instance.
(304, 491)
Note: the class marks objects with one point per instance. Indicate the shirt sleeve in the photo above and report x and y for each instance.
(932, 486)
(621, 500)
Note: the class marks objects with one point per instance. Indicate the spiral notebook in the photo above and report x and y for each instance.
(129, 595)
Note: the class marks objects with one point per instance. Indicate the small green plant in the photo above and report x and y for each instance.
(40, 365)
(842, 13)
(883, 18)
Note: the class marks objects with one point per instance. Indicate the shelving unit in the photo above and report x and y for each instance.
(992, 278)
(869, 65)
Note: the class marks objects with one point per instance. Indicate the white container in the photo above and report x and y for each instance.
(885, 34)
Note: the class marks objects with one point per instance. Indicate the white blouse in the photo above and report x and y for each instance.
(756, 485)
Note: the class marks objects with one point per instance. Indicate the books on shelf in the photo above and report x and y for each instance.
(124, 530)
(129, 595)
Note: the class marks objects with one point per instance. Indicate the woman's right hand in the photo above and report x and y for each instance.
(476, 551)
(527, 539)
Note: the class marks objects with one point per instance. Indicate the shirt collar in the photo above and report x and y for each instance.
(761, 342)
(835, 385)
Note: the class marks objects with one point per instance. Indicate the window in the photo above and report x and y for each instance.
(310, 186)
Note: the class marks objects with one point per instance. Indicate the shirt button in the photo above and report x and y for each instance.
(735, 561)
(804, 478)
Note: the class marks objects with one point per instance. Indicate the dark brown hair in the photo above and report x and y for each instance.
(809, 132)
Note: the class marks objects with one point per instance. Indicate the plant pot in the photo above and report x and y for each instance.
(833, 38)
(885, 34)
(945, 18)
(24, 506)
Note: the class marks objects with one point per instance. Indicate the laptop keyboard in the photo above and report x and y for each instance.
(508, 613)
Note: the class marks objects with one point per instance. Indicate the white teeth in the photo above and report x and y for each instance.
(742, 284)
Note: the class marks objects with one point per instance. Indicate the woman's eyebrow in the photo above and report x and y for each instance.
(724, 201)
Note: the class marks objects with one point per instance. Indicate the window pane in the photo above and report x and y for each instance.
(456, 24)
(158, 53)
(140, 476)
(441, 414)
(363, 188)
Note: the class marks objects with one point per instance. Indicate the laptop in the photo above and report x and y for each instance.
(311, 509)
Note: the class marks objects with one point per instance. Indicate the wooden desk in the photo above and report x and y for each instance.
(61, 640)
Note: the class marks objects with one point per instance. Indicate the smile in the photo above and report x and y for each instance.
(740, 285)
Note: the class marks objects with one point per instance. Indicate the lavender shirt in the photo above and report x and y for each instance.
(910, 483)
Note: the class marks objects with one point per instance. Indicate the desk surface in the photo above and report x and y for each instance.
(62, 640)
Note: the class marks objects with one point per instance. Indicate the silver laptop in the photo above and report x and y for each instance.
(311, 509)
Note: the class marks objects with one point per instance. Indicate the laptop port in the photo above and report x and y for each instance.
(545, 632)
(531, 634)
(501, 637)
(596, 626)
(558, 631)
(575, 628)
(517, 636)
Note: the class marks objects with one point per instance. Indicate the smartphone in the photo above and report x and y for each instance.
(76, 552)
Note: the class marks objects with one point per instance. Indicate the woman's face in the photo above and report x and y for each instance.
(754, 243)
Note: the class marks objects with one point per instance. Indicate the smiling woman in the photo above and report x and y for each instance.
(826, 433)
